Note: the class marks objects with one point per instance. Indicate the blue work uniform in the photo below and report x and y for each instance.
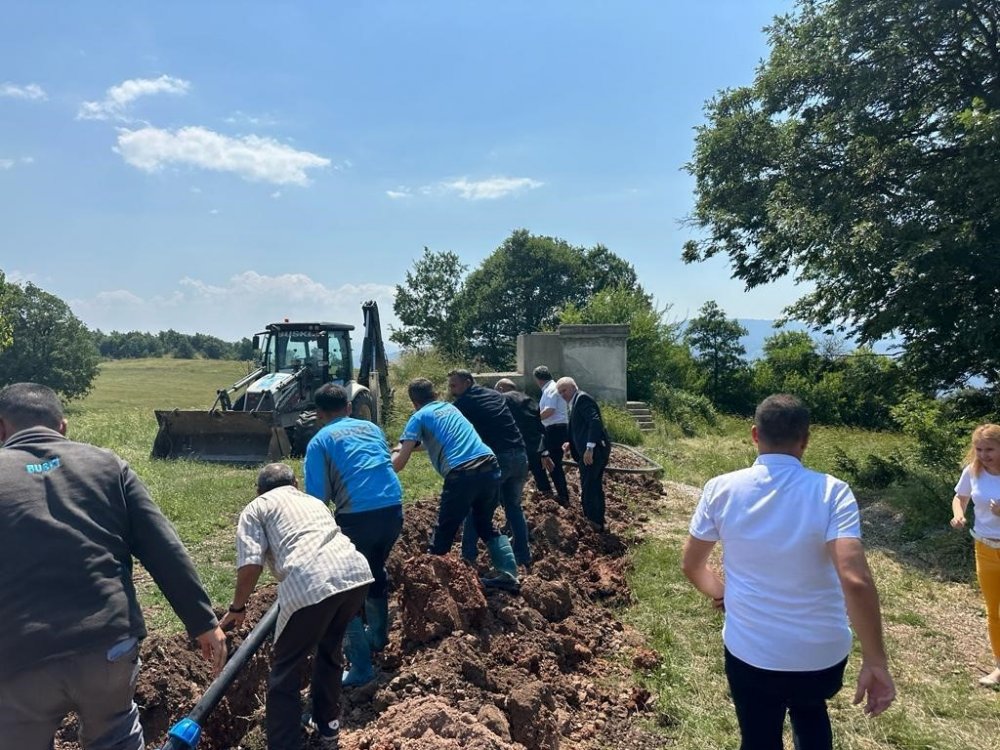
(470, 470)
(348, 464)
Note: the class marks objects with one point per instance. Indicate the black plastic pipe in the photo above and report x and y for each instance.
(184, 735)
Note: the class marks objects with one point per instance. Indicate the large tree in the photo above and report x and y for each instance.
(425, 302)
(50, 344)
(720, 356)
(863, 159)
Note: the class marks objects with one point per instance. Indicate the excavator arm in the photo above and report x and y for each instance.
(374, 369)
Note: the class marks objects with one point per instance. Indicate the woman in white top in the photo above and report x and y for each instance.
(980, 482)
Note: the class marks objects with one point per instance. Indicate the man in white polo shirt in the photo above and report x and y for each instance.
(554, 413)
(795, 571)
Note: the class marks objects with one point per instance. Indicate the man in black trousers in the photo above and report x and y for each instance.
(525, 411)
(555, 421)
(590, 447)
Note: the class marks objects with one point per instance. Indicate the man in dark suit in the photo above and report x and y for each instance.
(525, 411)
(590, 447)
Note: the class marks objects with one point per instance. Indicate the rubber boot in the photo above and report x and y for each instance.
(502, 558)
(359, 653)
(377, 614)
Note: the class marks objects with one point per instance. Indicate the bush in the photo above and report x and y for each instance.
(691, 412)
(873, 471)
(621, 426)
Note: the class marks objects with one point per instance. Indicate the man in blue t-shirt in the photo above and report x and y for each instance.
(348, 464)
(471, 477)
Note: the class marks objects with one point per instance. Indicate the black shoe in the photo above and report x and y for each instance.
(502, 582)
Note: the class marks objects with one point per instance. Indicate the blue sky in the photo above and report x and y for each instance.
(215, 166)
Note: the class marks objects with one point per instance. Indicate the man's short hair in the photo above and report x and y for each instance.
(781, 419)
(331, 398)
(462, 374)
(505, 384)
(541, 373)
(274, 475)
(27, 405)
(421, 391)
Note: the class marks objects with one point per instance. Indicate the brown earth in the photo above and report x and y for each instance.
(550, 668)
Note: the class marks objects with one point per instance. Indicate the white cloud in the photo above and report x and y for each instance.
(472, 190)
(236, 307)
(27, 159)
(254, 158)
(276, 194)
(214, 211)
(31, 91)
(117, 98)
(194, 189)
(240, 117)
(6, 164)
(491, 189)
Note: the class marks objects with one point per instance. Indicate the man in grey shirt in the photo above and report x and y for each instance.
(72, 517)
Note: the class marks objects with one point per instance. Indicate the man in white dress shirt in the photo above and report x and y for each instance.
(795, 571)
(554, 413)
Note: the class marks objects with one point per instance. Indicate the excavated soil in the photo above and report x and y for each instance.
(549, 668)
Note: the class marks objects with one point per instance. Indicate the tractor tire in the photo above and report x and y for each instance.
(362, 407)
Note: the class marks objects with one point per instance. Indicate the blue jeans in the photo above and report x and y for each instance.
(374, 532)
(466, 493)
(513, 475)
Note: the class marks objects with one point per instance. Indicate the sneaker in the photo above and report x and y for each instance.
(328, 737)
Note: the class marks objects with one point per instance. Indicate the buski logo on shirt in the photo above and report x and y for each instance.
(44, 466)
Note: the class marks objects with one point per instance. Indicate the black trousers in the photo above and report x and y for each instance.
(555, 436)
(320, 629)
(462, 493)
(592, 485)
(374, 532)
(538, 471)
(763, 696)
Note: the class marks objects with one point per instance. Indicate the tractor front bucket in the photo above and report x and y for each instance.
(229, 437)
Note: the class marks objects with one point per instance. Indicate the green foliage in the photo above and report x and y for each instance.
(692, 412)
(655, 352)
(432, 364)
(426, 302)
(863, 158)
(6, 314)
(872, 471)
(857, 389)
(140, 344)
(50, 345)
(621, 425)
(940, 439)
(519, 288)
(720, 357)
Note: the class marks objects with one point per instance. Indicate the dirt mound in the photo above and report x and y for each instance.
(466, 668)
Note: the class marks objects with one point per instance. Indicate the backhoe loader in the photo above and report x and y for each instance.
(270, 415)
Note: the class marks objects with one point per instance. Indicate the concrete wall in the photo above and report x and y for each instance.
(593, 355)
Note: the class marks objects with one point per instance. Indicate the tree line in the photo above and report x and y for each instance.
(169, 343)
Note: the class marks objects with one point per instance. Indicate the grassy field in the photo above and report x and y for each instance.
(935, 626)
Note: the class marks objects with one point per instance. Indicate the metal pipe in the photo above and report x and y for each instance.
(184, 735)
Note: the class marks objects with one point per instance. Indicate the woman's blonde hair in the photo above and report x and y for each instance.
(987, 431)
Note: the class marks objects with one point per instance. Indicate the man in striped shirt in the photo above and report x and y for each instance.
(322, 582)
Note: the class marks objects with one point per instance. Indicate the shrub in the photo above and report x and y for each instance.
(691, 412)
(621, 426)
(873, 471)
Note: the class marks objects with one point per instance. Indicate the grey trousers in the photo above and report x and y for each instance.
(34, 702)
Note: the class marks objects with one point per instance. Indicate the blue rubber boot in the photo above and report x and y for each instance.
(502, 558)
(377, 614)
(359, 653)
